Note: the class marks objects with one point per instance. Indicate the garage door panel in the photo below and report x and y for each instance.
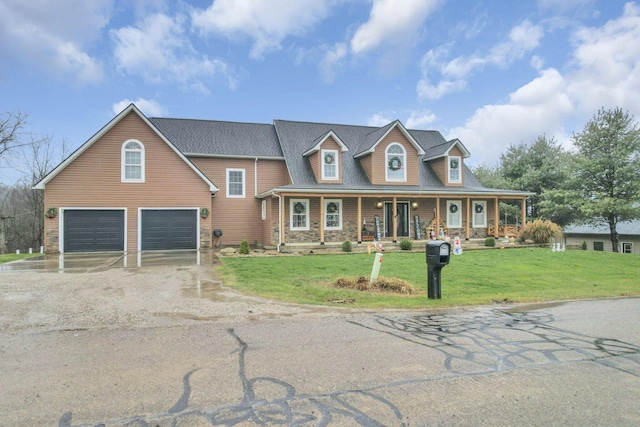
(164, 229)
(93, 230)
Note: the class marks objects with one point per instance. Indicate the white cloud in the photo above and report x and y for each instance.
(378, 120)
(158, 49)
(266, 22)
(332, 62)
(420, 119)
(148, 107)
(391, 21)
(523, 38)
(539, 107)
(606, 64)
(56, 37)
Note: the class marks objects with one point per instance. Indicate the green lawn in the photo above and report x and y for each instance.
(475, 277)
(15, 257)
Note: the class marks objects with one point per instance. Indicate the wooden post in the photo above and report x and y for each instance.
(496, 232)
(359, 216)
(466, 232)
(321, 219)
(523, 211)
(437, 229)
(282, 217)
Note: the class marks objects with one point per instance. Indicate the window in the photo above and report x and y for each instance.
(333, 214)
(132, 161)
(627, 248)
(479, 214)
(264, 209)
(454, 214)
(329, 164)
(395, 160)
(455, 169)
(299, 214)
(235, 183)
(598, 246)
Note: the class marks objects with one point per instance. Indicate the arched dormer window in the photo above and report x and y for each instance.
(132, 161)
(396, 168)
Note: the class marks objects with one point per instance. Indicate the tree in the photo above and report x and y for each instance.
(607, 170)
(11, 126)
(537, 167)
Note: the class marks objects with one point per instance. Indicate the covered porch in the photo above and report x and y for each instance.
(313, 218)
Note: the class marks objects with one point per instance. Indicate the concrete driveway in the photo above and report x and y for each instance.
(83, 262)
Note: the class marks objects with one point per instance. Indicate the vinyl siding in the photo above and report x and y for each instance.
(94, 180)
(380, 163)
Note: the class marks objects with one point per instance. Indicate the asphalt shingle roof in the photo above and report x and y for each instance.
(209, 137)
(629, 228)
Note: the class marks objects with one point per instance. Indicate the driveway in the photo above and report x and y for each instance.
(170, 345)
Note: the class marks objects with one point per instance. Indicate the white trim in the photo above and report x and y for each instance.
(622, 244)
(123, 165)
(43, 182)
(307, 208)
(459, 169)
(263, 210)
(403, 166)
(84, 208)
(450, 223)
(316, 147)
(174, 208)
(326, 212)
(244, 179)
(336, 164)
(484, 213)
(404, 131)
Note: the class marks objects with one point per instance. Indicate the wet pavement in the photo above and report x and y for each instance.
(87, 262)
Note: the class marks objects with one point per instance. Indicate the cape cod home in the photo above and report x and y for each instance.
(158, 183)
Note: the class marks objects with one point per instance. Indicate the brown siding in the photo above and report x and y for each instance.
(380, 164)
(439, 166)
(94, 180)
(366, 163)
(316, 165)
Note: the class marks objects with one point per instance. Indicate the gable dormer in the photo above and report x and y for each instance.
(325, 158)
(390, 156)
(447, 161)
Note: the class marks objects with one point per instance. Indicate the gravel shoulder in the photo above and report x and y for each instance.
(154, 296)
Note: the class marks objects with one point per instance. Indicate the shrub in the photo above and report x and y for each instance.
(406, 244)
(583, 246)
(541, 231)
(346, 246)
(244, 247)
(490, 241)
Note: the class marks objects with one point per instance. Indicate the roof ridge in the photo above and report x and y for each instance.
(210, 120)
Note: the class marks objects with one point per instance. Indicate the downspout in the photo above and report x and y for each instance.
(255, 177)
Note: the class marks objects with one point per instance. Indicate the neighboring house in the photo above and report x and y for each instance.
(598, 238)
(155, 183)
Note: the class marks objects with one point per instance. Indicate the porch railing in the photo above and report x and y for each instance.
(510, 230)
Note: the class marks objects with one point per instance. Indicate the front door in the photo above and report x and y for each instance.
(402, 214)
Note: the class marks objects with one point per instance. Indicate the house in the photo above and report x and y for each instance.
(598, 238)
(159, 183)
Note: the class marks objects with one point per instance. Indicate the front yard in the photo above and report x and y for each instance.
(475, 277)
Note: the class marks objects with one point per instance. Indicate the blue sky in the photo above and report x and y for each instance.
(491, 73)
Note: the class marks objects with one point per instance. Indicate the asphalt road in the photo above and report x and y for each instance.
(570, 364)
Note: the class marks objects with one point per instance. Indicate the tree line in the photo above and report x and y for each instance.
(597, 182)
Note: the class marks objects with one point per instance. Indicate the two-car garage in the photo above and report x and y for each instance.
(103, 230)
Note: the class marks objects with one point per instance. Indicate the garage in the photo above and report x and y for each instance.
(168, 229)
(93, 230)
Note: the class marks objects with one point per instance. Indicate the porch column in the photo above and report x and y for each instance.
(466, 231)
(359, 220)
(523, 211)
(395, 220)
(437, 229)
(496, 219)
(282, 217)
(322, 220)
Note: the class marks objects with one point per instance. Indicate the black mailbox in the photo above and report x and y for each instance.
(438, 253)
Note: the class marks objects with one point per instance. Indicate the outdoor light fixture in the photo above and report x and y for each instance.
(414, 205)
(379, 204)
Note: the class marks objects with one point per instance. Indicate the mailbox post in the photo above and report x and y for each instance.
(438, 254)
